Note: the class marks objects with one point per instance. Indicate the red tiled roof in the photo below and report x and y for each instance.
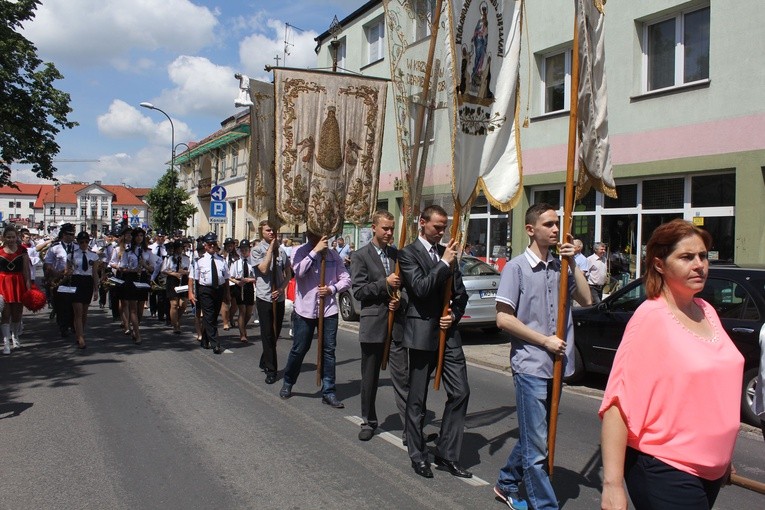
(67, 194)
(24, 189)
(64, 195)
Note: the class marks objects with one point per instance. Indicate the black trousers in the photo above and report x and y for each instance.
(454, 381)
(62, 303)
(210, 300)
(655, 485)
(398, 368)
(268, 336)
(159, 305)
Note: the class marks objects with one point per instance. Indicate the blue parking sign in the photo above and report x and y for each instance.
(217, 211)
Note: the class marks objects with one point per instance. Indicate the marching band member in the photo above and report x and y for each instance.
(176, 271)
(140, 248)
(244, 294)
(85, 265)
(195, 256)
(228, 253)
(211, 275)
(158, 304)
(125, 263)
(15, 279)
(56, 269)
(272, 280)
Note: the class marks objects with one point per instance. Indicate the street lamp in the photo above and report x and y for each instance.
(172, 154)
(175, 151)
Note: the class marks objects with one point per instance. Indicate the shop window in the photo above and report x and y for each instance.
(663, 194)
(626, 197)
(550, 196)
(713, 190)
(676, 50)
(722, 230)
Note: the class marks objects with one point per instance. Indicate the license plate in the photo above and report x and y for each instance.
(488, 294)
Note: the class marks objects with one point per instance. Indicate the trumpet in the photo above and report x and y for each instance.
(62, 278)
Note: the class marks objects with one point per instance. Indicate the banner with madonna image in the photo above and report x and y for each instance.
(260, 178)
(328, 147)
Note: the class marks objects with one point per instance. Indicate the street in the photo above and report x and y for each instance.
(170, 425)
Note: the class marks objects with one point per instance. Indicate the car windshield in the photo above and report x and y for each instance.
(475, 267)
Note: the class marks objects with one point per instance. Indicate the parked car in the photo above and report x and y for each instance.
(737, 293)
(481, 282)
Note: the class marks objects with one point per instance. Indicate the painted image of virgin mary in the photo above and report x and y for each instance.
(480, 42)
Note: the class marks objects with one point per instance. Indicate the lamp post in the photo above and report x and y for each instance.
(175, 152)
(56, 187)
(172, 153)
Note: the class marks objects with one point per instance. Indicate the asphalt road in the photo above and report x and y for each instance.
(169, 425)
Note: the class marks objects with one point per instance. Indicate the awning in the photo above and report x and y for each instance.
(238, 132)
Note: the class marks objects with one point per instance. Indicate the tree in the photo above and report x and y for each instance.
(32, 110)
(168, 201)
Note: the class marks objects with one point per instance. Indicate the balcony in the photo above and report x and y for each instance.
(203, 190)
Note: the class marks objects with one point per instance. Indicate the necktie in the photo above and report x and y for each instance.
(245, 269)
(177, 264)
(84, 262)
(385, 261)
(213, 272)
(434, 254)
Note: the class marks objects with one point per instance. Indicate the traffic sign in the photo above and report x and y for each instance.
(218, 193)
(217, 211)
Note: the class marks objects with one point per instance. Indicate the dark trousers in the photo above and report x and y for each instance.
(62, 303)
(398, 367)
(654, 485)
(114, 304)
(268, 336)
(102, 293)
(159, 305)
(454, 381)
(210, 300)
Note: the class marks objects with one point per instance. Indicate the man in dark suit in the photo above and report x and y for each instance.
(426, 268)
(375, 284)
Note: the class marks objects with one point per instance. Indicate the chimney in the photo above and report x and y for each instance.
(97, 183)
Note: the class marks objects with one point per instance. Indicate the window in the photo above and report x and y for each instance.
(63, 211)
(83, 211)
(423, 11)
(10, 204)
(18, 204)
(71, 211)
(676, 50)
(663, 193)
(375, 34)
(713, 190)
(104, 212)
(234, 160)
(52, 210)
(556, 79)
(340, 45)
(31, 205)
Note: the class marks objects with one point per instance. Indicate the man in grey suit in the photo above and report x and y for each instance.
(375, 286)
(426, 268)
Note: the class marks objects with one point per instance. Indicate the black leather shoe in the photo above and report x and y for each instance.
(453, 467)
(366, 434)
(332, 401)
(431, 438)
(217, 350)
(270, 378)
(205, 345)
(422, 468)
(286, 391)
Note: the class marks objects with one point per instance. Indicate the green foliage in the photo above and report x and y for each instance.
(167, 200)
(32, 110)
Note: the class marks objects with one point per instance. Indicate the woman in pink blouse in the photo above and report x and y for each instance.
(671, 408)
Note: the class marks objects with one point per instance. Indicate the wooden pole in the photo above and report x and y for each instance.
(747, 483)
(274, 256)
(320, 340)
(445, 305)
(413, 163)
(568, 206)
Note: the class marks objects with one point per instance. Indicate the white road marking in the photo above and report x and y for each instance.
(396, 441)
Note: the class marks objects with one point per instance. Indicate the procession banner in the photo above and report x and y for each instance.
(328, 147)
(487, 44)
(595, 169)
(409, 26)
(260, 178)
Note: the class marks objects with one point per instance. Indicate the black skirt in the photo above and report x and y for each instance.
(244, 295)
(84, 293)
(172, 283)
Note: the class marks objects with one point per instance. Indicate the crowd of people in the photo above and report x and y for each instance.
(670, 410)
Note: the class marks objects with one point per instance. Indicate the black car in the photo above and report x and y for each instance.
(738, 295)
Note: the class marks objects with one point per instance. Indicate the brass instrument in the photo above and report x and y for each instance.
(63, 278)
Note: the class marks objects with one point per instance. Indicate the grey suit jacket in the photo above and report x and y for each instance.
(425, 283)
(370, 289)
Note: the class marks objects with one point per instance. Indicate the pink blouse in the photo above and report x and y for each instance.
(678, 394)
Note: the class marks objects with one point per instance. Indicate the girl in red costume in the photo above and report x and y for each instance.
(14, 281)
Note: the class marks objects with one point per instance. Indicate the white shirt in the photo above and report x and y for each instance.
(598, 270)
(202, 270)
(58, 255)
(91, 258)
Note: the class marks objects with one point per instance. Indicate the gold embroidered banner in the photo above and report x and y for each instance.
(329, 131)
(487, 43)
(409, 25)
(260, 179)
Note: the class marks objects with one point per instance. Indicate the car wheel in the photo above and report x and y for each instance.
(747, 398)
(346, 308)
(578, 374)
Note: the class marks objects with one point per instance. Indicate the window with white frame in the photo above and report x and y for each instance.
(556, 81)
(375, 35)
(340, 55)
(676, 50)
(234, 159)
(423, 17)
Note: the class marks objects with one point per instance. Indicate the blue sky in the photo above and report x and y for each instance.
(180, 55)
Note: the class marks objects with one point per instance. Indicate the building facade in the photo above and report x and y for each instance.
(686, 124)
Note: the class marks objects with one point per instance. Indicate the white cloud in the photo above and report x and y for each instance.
(260, 49)
(94, 32)
(142, 169)
(200, 87)
(23, 174)
(126, 121)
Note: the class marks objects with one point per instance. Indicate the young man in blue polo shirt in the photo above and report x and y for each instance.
(527, 308)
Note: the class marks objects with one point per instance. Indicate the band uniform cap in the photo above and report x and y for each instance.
(211, 238)
(83, 236)
(67, 228)
(229, 240)
(177, 244)
(161, 233)
(244, 244)
(122, 231)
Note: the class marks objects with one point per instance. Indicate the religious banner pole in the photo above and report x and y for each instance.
(568, 206)
(320, 338)
(412, 207)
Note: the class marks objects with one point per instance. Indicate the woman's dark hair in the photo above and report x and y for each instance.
(661, 244)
